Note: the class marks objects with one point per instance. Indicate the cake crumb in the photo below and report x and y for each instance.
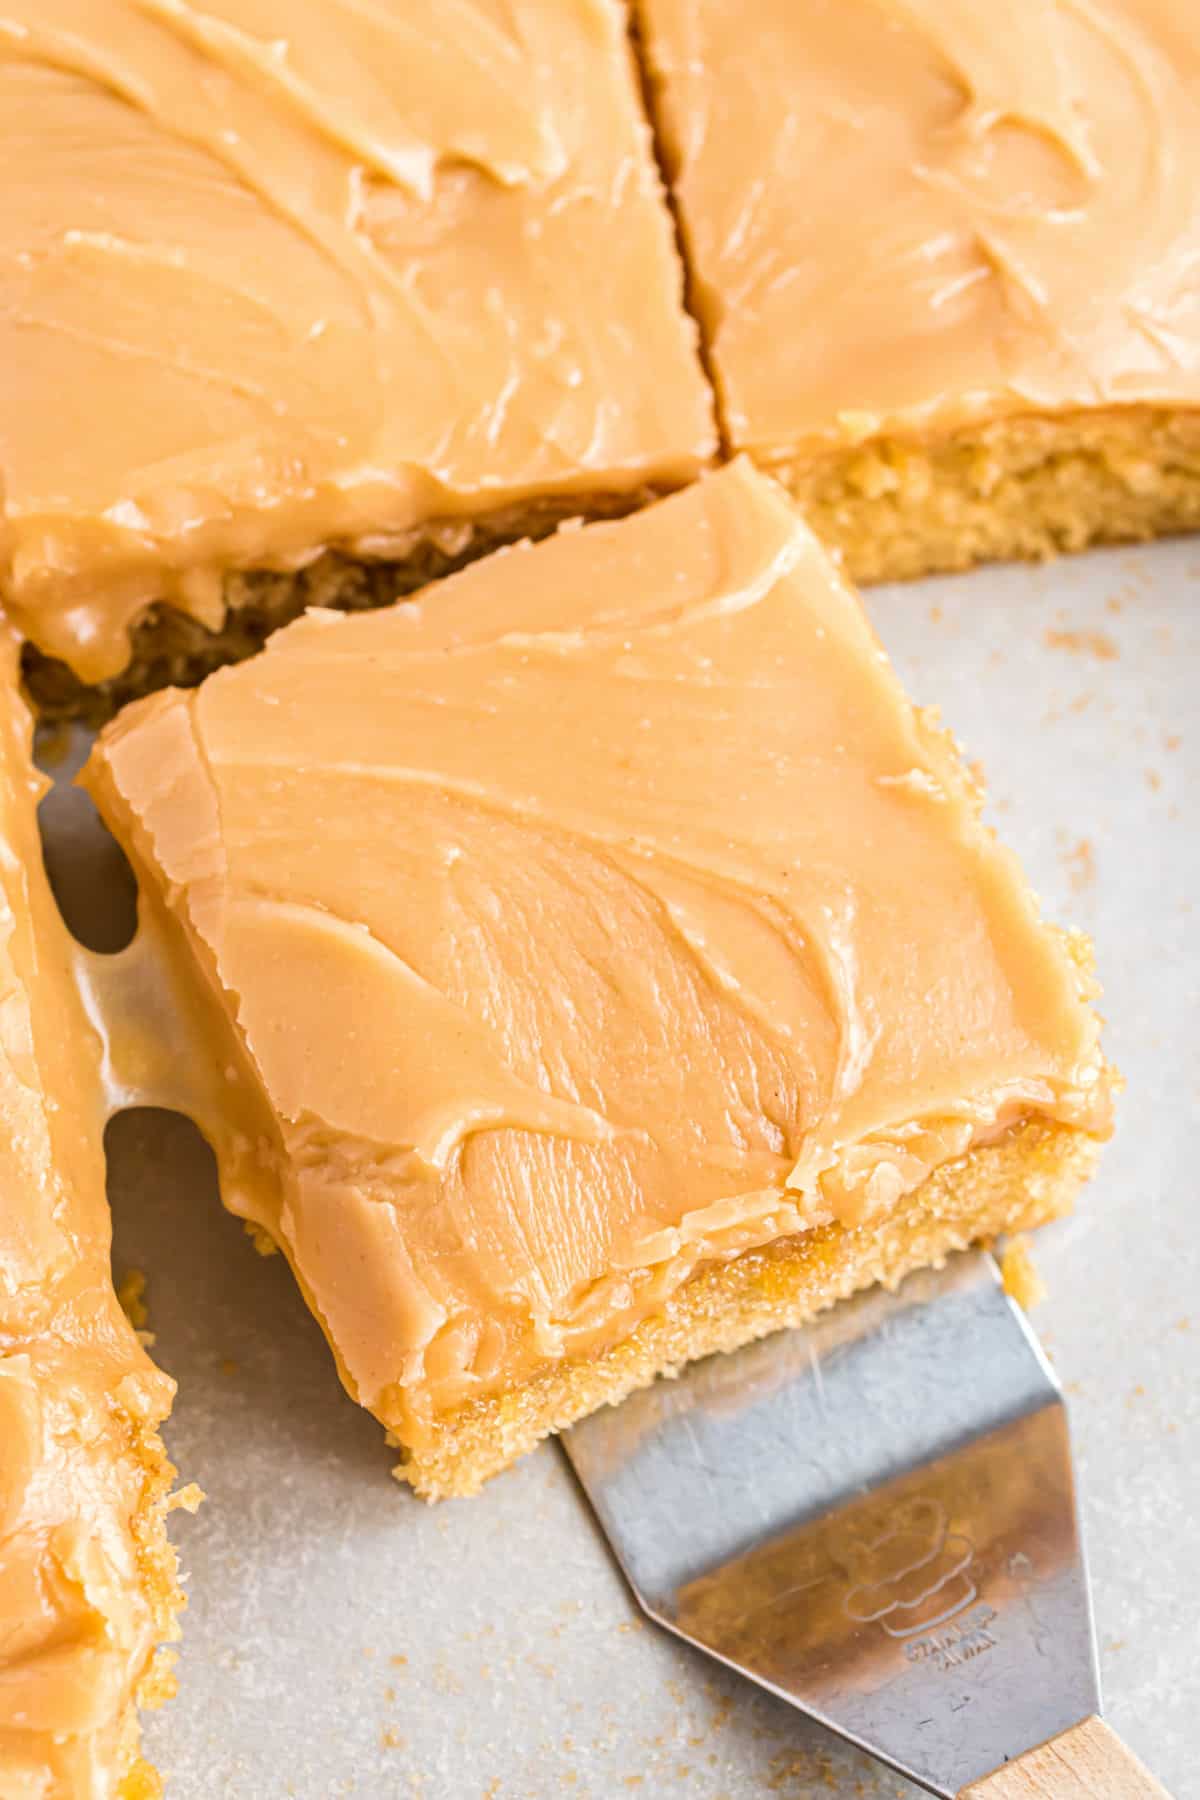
(1019, 1274)
(160, 1682)
(131, 1292)
(142, 1783)
(1080, 861)
(228, 1366)
(1088, 643)
(190, 1498)
(390, 1739)
(262, 1240)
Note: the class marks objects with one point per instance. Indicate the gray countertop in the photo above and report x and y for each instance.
(344, 1639)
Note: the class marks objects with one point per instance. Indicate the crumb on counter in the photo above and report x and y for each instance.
(1086, 643)
(1018, 1271)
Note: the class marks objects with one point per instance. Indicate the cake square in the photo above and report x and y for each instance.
(87, 1577)
(944, 262)
(605, 964)
(386, 283)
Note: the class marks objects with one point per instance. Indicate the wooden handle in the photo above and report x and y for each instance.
(1089, 1762)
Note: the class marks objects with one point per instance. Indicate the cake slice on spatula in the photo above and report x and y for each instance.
(605, 964)
(875, 1518)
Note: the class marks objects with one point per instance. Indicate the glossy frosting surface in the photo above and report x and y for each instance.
(604, 911)
(277, 276)
(907, 215)
(78, 1395)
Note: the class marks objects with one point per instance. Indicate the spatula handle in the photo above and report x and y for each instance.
(1089, 1762)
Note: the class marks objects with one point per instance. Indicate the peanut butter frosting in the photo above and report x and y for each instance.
(86, 1578)
(603, 912)
(905, 216)
(276, 277)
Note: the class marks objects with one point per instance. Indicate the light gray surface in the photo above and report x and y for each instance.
(343, 1639)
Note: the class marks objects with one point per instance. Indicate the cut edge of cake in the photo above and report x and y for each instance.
(1017, 1184)
(1015, 489)
(159, 1567)
(890, 508)
(172, 648)
(104, 1445)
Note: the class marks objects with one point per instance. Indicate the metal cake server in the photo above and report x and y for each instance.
(875, 1518)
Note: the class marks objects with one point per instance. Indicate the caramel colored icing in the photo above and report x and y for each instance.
(278, 276)
(906, 216)
(605, 911)
(85, 1579)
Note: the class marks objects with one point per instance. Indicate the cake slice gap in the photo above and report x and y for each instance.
(605, 964)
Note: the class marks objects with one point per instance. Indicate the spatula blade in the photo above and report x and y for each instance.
(874, 1517)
